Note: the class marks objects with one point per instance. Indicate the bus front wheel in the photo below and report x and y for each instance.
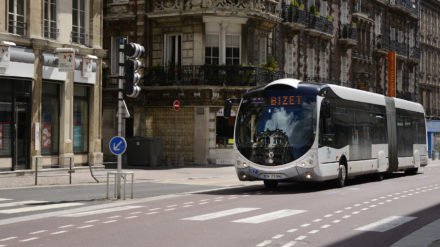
(342, 176)
(270, 184)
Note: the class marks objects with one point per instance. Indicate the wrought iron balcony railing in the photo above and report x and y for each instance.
(214, 75)
(320, 23)
(265, 8)
(292, 14)
(348, 32)
(410, 6)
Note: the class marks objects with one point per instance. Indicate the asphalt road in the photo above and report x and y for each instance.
(364, 213)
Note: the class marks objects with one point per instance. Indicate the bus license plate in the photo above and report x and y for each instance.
(253, 171)
(272, 176)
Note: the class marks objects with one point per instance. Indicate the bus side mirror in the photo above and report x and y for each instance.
(227, 109)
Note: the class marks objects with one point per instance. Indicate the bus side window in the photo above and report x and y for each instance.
(327, 132)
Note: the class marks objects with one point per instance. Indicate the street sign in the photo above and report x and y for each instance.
(117, 145)
(176, 105)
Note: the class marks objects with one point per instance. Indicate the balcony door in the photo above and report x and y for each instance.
(173, 49)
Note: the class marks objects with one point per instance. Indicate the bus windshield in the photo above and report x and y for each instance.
(276, 127)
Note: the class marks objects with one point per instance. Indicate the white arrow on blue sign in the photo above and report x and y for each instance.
(117, 145)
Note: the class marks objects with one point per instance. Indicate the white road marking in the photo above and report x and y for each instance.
(314, 231)
(169, 209)
(292, 230)
(38, 232)
(155, 209)
(59, 232)
(386, 224)
(278, 236)
(325, 226)
(338, 212)
(328, 215)
(203, 203)
(131, 217)
(264, 243)
(220, 214)
(114, 217)
(187, 206)
(151, 213)
(301, 238)
(355, 212)
(171, 206)
(317, 220)
(346, 216)
(270, 216)
(91, 221)
(289, 244)
(6, 239)
(137, 212)
(21, 203)
(86, 226)
(336, 221)
(28, 239)
(102, 211)
(39, 208)
(305, 225)
(185, 203)
(65, 226)
(5, 199)
(109, 221)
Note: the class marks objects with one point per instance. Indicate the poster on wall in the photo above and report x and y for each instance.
(5, 56)
(77, 137)
(46, 136)
(87, 67)
(66, 61)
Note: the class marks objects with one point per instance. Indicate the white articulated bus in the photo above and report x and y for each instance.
(290, 130)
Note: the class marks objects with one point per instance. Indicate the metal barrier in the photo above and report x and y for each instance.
(123, 175)
(38, 163)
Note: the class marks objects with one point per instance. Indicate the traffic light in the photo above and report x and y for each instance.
(132, 52)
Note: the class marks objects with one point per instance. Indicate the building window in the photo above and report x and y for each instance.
(80, 119)
(233, 49)
(263, 50)
(212, 49)
(79, 21)
(50, 19)
(16, 17)
(50, 119)
(173, 49)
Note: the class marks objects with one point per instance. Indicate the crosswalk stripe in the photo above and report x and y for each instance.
(5, 199)
(269, 216)
(21, 203)
(386, 224)
(220, 214)
(102, 211)
(39, 208)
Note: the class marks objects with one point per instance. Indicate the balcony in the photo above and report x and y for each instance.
(212, 75)
(348, 36)
(319, 26)
(295, 17)
(267, 9)
(409, 7)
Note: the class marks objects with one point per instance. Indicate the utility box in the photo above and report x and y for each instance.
(143, 151)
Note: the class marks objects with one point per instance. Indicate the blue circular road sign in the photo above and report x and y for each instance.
(117, 145)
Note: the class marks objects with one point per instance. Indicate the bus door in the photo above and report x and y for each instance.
(392, 134)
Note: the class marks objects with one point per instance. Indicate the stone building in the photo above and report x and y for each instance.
(50, 75)
(429, 79)
(202, 52)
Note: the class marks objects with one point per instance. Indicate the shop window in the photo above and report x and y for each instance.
(50, 119)
(80, 119)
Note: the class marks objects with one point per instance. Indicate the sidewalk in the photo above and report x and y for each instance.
(203, 175)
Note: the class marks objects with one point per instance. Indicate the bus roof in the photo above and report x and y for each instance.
(356, 94)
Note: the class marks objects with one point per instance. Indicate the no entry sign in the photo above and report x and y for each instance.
(176, 105)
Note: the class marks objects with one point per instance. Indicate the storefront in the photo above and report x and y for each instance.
(433, 138)
(48, 114)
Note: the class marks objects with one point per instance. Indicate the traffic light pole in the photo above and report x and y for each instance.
(122, 42)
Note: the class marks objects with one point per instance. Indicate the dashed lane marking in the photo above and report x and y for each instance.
(39, 208)
(101, 211)
(270, 216)
(220, 214)
(386, 224)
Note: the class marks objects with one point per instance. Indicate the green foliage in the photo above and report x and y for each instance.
(271, 64)
(314, 10)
